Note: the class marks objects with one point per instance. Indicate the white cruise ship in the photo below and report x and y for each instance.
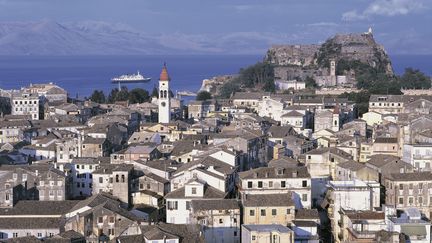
(131, 78)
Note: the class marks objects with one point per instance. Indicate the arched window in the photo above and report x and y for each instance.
(165, 94)
(117, 178)
(123, 178)
(161, 94)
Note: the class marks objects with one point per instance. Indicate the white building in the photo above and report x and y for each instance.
(268, 180)
(267, 233)
(25, 104)
(178, 202)
(164, 97)
(350, 195)
(290, 84)
(294, 119)
(418, 155)
(82, 174)
(271, 107)
(219, 218)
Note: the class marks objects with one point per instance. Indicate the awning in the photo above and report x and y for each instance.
(412, 230)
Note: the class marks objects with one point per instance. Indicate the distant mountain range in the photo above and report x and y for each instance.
(100, 38)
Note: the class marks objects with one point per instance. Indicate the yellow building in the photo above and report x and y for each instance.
(268, 209)
(365, 151)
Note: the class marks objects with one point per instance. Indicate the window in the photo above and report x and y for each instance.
(78, 184)
(100, 220)
(249, 184)
(39, 235)
(172, 205)
(263, 212)
(220, 221)
(110, 231)
(187, 205)
(235, 233)
(283, 184)
(253, 237)
(260, 184)
(288, 211)
(251, 212)
(15, 235)
(401, 186)
(410, 186)
(401, 200)
(270, 183)
(304, 197)
(194, 191)
(274, 212)
(304, 183)
(111, 219)
(420, 200)
(410, 200)
(100, 179)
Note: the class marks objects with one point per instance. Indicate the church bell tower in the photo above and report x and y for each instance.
(164, 96)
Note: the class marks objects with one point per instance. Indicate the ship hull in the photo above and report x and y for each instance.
(131, 81)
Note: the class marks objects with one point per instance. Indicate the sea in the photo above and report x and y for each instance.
(80, 75)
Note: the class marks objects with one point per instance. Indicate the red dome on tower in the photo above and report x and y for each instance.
(164, 74)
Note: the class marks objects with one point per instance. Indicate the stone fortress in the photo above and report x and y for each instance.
(294, 63)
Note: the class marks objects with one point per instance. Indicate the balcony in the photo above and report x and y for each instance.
(362, 234)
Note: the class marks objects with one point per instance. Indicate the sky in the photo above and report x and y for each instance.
(402, 26)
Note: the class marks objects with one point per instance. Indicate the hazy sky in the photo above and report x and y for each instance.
(403, 26)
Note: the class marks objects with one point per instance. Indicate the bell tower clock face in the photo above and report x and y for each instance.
(163, 104)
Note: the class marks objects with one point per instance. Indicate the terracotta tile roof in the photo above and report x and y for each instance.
(268, 200)
(215, 204)
(164, 74)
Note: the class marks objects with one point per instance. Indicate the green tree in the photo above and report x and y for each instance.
(310, 82)
(229, 88)
(5, 106)
(138, 95)
(117, 95)
(415, 79)
(155, 92)
(260, 74)
(204, 95)
(98, 96)
(269, 86)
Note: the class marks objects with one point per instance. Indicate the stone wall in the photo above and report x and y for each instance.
(299, 55)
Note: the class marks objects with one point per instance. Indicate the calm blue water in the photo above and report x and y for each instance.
(83, 74)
